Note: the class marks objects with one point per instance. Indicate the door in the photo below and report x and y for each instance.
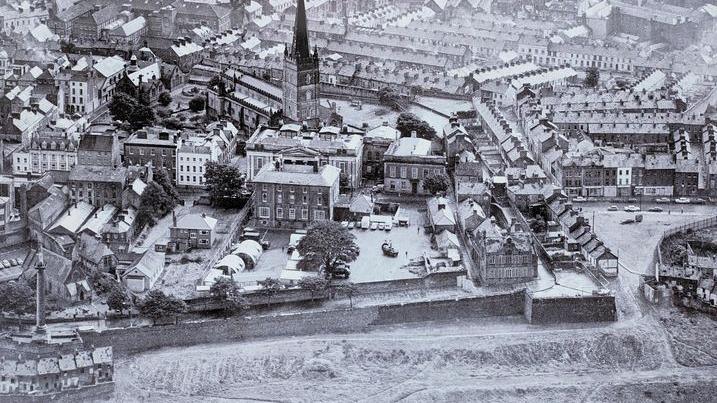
(414, 187)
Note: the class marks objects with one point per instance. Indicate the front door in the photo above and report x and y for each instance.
(414, 187)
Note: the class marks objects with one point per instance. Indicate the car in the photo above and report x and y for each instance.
(388, 226)
(13, 262)
(612, 208)
(579, 199)
(632, 200)
(6, 263)
(683, 200)
(341, 272)
(698, 200)
(345, 224)
(351, 225)
(631, 208)
(20, 261)
(374, 226)
(381, 226)
(377, 188)
(655, 209)
(662, 200)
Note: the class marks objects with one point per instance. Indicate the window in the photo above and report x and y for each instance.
(192, 234)
(305, 199)
(279, 212)
(304, 214)
(292, 214)
(204, 232)
(264, 212)
(264, 197)
(203, 241)
(392, 171)
(414, 173)
(404, 172)
(319, 215)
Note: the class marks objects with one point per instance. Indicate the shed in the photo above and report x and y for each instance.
(250, 252)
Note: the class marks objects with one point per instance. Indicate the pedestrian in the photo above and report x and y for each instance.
(418, 229)
(682, 210)
(406, 254)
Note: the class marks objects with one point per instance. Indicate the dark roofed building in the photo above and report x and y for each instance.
(97, 184)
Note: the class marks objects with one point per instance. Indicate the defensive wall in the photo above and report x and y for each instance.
(134, 340)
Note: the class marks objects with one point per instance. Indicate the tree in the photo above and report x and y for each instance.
(325, 245)
(153, 203)
(389, 98)
(347, 288)
(226, 292)
(218, 84)
(157, 305)
(313, 285)
(196, 104)
(161, 177)
(270, 286)
(592, 77)
(539, 225)
(225, 183)
(408, 123)
(117, 299)
(436, 183)
(17, 298)
(165, 98)
(125, 108)
(678, 255)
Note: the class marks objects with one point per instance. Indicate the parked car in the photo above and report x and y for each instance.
(365, 223)
(351, 225)
(377, 188)
(13, 262)
(381, 226)
(655, 209)
(699, 201)
(374, 226)
(579, 199)
(663, 200)
(632, 209)
(388, 226)
(20, 261)
(632, 200)
(683, 200)
(345, 224)
(612, 208)
(6, 263)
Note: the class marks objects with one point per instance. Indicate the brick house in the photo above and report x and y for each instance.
(192, 231)
(153, 144)
(293, 196)
(407, 162)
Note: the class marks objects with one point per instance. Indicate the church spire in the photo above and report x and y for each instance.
(300, 47)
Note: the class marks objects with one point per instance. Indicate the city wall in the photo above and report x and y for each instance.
(543, 311)
(134, 340)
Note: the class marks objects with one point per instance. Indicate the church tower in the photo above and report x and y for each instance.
(301, 75)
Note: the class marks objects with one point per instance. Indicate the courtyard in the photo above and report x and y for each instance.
(370, 266)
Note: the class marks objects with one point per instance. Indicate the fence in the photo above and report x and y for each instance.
(656, 261)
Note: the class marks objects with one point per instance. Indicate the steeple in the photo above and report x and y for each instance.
(300, 48)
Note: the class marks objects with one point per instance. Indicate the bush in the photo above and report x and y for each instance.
(196, 104)
(165, 98)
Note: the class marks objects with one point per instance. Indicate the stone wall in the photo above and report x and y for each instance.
(597, 308)
(348, 92)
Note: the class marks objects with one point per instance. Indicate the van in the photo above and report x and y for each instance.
(365, 223)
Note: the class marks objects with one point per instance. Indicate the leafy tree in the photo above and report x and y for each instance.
(678, 255)
(225, 183)
(539, 225)
(161, 177)
(408, 122)
(313, 285)
(270, 286)
(117, 299)
(165, 98)
(388, 97)
(592, 77)
(217, 83)
(157, 305)
(196, 104)
(226, 292)
(325, 245)
(126, 108)
(17, 298)
(436, 183)
(347, 288)
(172, 123)
(153, 203)
(103, 283)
